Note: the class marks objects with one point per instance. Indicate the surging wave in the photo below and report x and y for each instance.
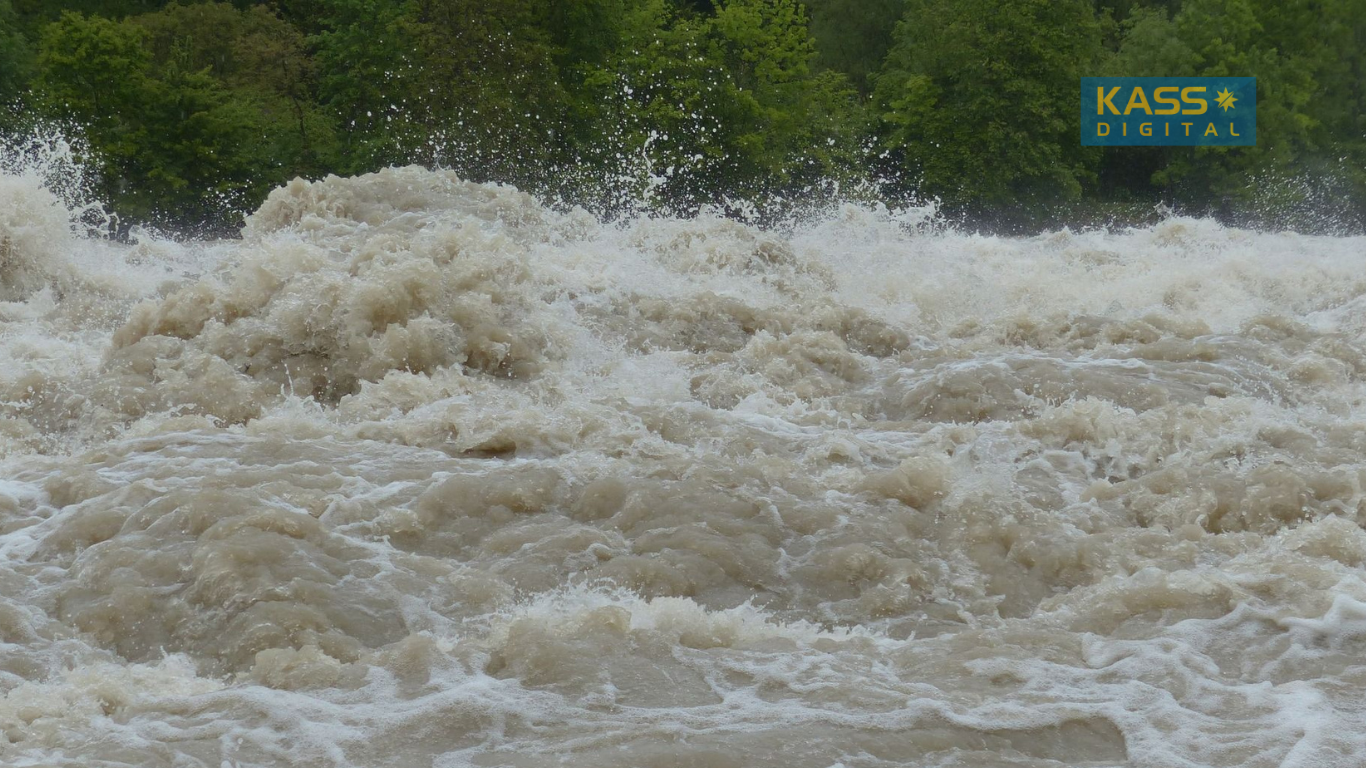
(421, 472)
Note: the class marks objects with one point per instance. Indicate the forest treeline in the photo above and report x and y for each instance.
(193, 111)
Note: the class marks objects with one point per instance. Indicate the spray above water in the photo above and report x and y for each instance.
(422, 472)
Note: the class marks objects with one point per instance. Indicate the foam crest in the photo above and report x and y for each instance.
(421, 471)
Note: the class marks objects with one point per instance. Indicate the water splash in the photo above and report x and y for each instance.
(421, 471)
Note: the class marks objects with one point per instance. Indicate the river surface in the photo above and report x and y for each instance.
(419, 472)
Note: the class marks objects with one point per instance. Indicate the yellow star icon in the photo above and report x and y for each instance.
(1225, 99)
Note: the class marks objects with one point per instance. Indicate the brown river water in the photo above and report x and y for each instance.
(422, 473)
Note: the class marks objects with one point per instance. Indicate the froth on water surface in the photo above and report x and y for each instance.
(420, 472)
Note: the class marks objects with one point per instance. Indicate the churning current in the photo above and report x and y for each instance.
(419, 472)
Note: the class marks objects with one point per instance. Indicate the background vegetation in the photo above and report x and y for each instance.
(193, 111)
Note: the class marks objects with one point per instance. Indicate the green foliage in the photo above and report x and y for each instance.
(263, 61)
(183, 124)
(95, 70)
(1308, 61)
(853, 36)
(979, 99)
(39, 12)
(585, 31)
(16, 57)
(471, 84)
(796, 129)
(493, 100)
(366, 67)
(193, 109)
(727, 102)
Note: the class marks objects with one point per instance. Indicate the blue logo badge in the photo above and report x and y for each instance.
(1169, 111)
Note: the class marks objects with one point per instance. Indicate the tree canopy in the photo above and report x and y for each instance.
(192, 111)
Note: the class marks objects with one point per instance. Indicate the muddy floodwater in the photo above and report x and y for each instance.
(420, 472)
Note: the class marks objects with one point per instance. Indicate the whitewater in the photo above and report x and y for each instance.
(422, 472)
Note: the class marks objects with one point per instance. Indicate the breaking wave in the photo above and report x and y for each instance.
(422, 472)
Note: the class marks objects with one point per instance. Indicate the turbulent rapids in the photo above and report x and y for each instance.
(422, 473)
